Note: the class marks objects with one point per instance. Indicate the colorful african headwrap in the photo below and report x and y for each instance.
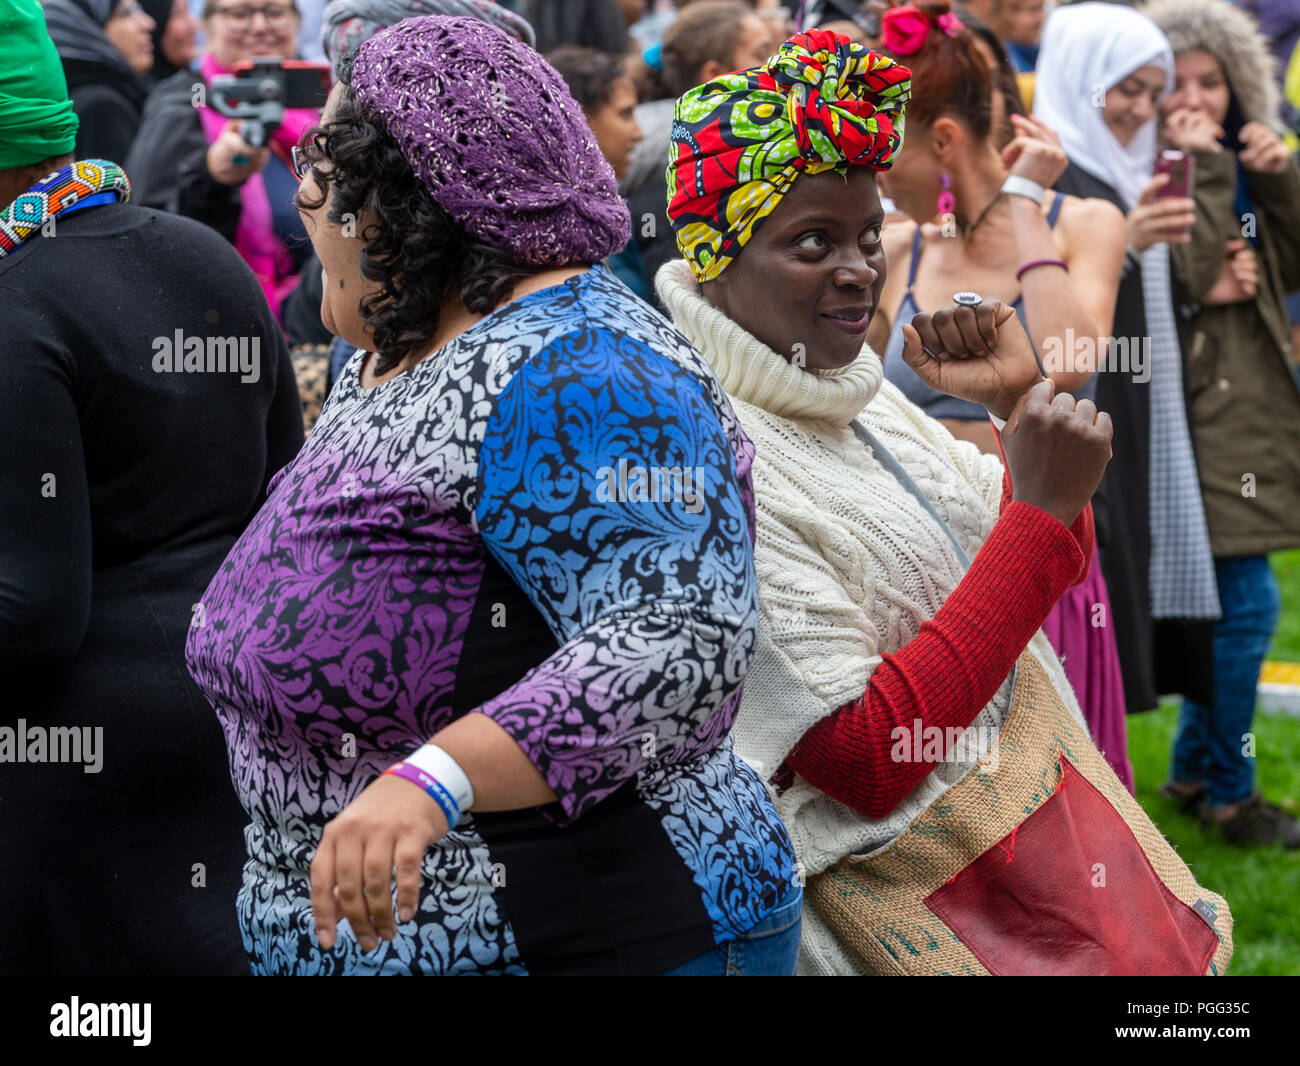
(738, 142)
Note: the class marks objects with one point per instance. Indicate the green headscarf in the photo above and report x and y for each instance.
(36, 117)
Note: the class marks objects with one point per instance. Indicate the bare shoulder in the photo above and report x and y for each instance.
(1091, 221)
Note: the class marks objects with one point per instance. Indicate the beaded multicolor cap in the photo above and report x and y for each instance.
(491, 130)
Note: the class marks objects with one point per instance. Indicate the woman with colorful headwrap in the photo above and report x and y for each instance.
(867, 622)
(522, 528)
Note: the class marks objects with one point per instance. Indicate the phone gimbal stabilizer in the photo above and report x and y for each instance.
(260, 91)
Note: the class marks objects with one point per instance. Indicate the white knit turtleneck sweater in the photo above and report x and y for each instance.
(849, 565)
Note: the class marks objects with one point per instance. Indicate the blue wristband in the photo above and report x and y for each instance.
(432, 786)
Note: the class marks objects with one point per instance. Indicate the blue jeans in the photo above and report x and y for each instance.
(769, 949)
(1208, 746)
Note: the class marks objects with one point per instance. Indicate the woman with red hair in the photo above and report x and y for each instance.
(981, 219)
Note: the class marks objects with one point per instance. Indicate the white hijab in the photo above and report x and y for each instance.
(1088, 49)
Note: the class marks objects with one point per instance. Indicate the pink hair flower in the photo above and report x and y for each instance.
(950, 23)
(903, 30)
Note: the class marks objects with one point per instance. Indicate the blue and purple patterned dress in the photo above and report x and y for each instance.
(548, 521)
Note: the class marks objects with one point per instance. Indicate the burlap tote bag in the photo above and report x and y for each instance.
(1038, 861)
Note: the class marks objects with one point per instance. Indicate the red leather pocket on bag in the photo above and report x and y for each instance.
(1069, 891)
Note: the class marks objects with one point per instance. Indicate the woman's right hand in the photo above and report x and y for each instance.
(1056, 451)
(976, 353)
(225, 153)
(1153, 221)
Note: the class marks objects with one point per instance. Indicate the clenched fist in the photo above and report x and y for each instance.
(1056, 450)
(979, 354)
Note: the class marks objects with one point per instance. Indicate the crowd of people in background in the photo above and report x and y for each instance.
(344, 541)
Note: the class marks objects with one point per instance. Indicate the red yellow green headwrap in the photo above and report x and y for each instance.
(738, 142)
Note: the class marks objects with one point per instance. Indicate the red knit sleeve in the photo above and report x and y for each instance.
(1082, 528)
(951, 669)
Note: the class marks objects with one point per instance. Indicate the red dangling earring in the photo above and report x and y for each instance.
(946, 205)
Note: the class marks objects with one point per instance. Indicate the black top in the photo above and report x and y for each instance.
(124, 485)
(108, 102)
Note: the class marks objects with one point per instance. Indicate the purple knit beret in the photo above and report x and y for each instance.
(491, 129)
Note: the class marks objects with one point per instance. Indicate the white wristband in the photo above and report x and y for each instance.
(1018, 186)
(999, 423)
(439, 765)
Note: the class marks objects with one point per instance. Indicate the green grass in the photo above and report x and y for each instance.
(1286, 642)
(1261, 885)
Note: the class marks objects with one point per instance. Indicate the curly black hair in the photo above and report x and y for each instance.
(416, 252)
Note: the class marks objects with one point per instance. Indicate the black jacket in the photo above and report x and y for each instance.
(123, 488)
(108, 101)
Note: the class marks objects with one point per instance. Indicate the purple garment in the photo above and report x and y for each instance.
(491, 129)
(1080, 630)
(546, 522)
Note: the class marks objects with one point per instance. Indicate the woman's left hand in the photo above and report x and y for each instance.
(391, 824)
(978, 353)
(1264, 152)
(1035, 153)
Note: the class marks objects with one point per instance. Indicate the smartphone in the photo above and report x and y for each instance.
(301, 84)
(1181, 168)
(261, 90)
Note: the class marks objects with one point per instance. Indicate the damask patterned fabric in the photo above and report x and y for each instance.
(740, 141)
(549, 521)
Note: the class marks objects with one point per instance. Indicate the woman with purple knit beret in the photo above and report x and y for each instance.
(487, 635)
